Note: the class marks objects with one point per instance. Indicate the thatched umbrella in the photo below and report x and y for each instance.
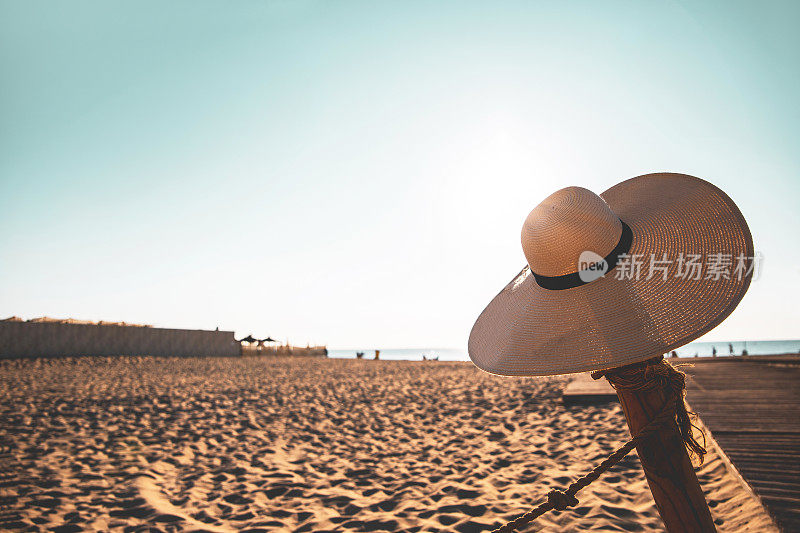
(263, 342)
(249, 338)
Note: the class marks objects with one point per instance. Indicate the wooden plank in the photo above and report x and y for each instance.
(585, 390)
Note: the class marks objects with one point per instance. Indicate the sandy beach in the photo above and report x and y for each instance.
(255, 444)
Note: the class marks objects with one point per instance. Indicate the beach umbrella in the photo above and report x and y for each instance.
(249, 338)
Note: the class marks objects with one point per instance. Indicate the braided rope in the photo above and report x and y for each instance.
(654, 375)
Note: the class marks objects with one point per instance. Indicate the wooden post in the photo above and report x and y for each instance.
(665, 462)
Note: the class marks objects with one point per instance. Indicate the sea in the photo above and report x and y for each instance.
(699, 349)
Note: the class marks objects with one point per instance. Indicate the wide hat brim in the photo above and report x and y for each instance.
(528, 330)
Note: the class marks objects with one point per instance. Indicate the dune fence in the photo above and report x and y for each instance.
(59, 338)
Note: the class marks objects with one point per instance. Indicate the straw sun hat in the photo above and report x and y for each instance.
(582, 303)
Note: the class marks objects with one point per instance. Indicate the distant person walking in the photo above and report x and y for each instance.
(730, 348)
(713, 351)
(377, 354)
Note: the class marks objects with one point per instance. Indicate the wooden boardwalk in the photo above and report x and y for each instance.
(751, 405)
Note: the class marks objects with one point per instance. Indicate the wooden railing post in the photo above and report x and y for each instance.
(664, 458)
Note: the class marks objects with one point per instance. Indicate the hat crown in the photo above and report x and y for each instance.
(567, 223)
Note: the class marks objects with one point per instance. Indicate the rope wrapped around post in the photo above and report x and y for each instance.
(643, 376)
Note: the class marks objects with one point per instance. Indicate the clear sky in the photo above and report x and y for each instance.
(357, 173)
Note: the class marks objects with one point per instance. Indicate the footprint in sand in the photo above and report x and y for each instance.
(150, 493)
